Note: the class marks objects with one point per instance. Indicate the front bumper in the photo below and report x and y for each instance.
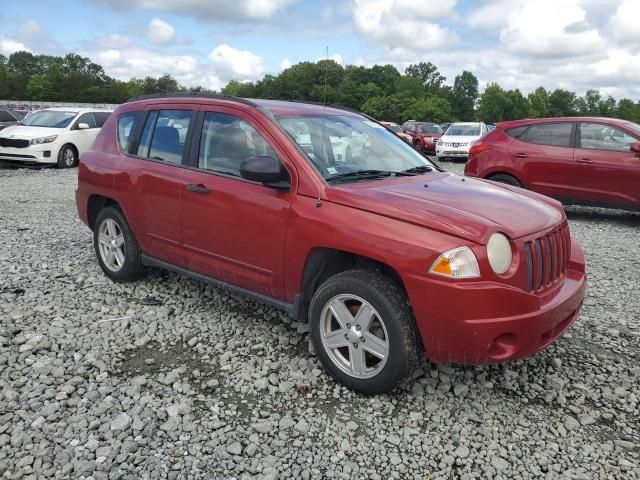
(460, 152)
(36, 154)
(488, 322)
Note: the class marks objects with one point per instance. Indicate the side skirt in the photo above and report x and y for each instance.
(290, 308)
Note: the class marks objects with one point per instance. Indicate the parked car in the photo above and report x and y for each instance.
(397, 129)
(591, 161)
(424, 135)
(457, 140)
(386, 256)
(52, 136)
(8, 118)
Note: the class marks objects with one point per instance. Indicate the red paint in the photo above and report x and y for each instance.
(571, 173)
(259, 238)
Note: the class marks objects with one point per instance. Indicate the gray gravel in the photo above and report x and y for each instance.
(168, 378)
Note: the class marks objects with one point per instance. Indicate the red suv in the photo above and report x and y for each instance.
(590, 161)
(425, 135)
(385, 255)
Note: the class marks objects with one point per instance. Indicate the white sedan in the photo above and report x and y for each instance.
(457, 140)
(52, 136)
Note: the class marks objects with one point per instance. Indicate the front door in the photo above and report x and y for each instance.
(607, 170)
(234, 230)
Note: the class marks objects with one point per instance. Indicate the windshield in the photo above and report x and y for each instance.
(463, 131)
(50, 119)
(341, 144)
(394, 128)
(633, 126)
(429, 128)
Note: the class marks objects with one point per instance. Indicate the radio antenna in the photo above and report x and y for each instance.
(324, 105)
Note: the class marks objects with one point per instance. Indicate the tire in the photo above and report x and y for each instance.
(342, 349)
(111, 225)
(505, 178)
(67, 157)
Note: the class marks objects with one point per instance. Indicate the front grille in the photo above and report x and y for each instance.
(13, 142)
(547, 258)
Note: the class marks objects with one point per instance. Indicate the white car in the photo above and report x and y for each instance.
(457, 140)
(52, 136)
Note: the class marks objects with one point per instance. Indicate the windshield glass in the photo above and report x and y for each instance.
(633, 126)
(463, 130)
(339, 144)
(429, 128)
(394, 128)
(50, 119)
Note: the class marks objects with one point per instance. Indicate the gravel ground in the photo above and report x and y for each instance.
(169, 378)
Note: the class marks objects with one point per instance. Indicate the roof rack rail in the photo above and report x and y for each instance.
(328, 105)
(218, 96)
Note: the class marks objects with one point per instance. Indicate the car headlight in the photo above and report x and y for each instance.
(456, 263)
(499, 253)
(41, 140)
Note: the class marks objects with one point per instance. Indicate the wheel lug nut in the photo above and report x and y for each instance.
(346, 336)
(355, 345)
(358, 327)
(348, 325)
(362, 339)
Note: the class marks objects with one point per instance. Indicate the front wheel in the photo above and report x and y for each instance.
(364, 331)
(116, 248)
(67, 157)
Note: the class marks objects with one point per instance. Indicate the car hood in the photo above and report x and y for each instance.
(469, 208)
(26, 132)
(459, 138)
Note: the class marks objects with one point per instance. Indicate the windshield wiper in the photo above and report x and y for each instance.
(360, 175)
(419, 169)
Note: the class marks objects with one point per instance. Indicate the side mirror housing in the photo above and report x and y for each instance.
(266, 170)
(635, 147)
(83, 126)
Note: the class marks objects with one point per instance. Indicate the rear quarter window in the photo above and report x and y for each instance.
(127, 123)
(516, 132)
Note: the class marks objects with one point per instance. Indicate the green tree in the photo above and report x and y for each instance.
(562, 103)
(409, 85)
(495, 104)
(431, 78)
(539, 103)
(464, 96)
(390, 108)
(39, 88)
(430, 108)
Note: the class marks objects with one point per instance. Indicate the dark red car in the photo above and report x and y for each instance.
(425, 135)
(385, 255)
(590, 161)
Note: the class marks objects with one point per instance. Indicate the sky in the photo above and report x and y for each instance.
(573, 44)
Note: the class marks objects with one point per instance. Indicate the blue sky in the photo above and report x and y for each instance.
(575, 44)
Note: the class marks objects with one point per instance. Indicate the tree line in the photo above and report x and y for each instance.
(420, 93)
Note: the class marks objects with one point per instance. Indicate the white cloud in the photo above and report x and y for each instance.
(29, 29)
(231, 63)
(624, 24)
(402, 23)
(9, 46)
(286, 63)
(550, 28)
(218, 10)
(160, 32)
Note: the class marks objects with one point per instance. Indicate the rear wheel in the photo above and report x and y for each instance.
(505, 178)
(364, 331)
(67, 157)
(116, 248)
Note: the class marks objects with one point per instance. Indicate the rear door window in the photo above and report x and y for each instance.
(553, 134)
(166, 138)
(101, 118)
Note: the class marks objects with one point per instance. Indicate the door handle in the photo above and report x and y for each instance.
(521, 155)
(584, 160)
(198, 188)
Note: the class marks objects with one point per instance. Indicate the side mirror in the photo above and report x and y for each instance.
(266, 170)
(635, 147)
(82, 126)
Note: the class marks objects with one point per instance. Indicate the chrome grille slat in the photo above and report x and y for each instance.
(546, 259)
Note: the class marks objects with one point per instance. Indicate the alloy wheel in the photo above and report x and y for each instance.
(111, 245)
(354, 336)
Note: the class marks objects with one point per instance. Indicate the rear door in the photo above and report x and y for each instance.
(606, 169)
(155, 169)
(543, 153)
(233, 229)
